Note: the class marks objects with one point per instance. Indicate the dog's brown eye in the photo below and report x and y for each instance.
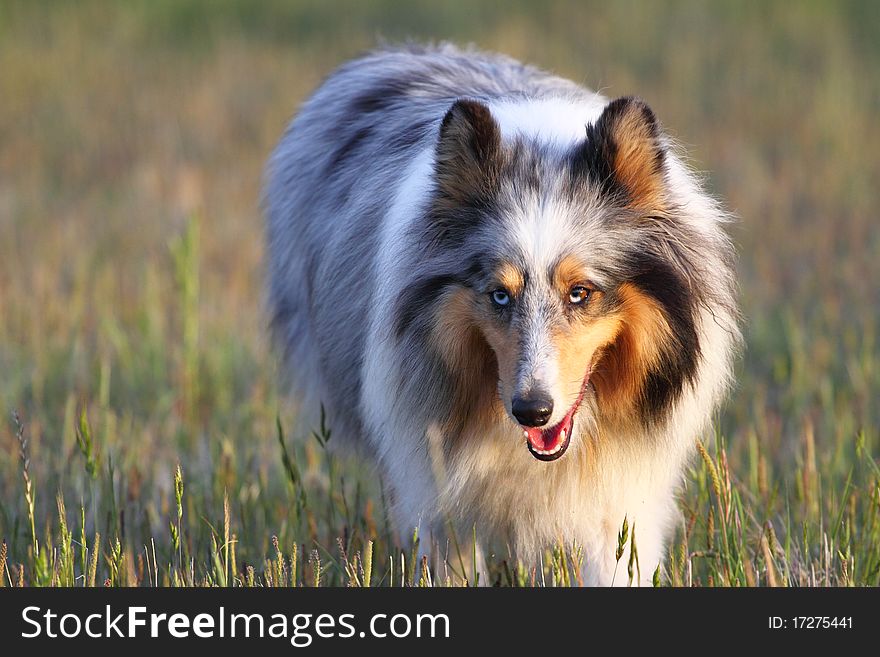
(579, 294)
(500, 297)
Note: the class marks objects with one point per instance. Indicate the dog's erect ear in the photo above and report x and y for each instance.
(468, 151)
(624, 154)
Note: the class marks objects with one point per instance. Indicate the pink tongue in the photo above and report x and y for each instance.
(547, 439)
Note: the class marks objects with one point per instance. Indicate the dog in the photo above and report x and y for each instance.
(509, 291)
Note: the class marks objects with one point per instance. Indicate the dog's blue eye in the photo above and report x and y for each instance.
(500, 297)
(579, 294)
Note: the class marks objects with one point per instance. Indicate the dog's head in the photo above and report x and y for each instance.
(565, 277)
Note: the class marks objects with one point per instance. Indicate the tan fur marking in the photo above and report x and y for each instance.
(619, 374)
(505, 346)
(635, 162)
(510, 278)
(577, 347)
(462, 345)
(569, 272)
(468, 153)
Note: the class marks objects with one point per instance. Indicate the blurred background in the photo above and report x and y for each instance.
(132, 141)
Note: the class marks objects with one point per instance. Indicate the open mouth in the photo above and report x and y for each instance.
(549, 443)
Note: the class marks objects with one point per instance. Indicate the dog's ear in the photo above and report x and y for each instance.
(468, 152)
(624, 154)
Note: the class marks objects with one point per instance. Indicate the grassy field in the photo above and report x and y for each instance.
(152, 444)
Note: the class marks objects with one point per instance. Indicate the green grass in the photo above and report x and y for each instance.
(154, 445)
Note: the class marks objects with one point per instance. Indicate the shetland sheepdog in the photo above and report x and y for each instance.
(506, 289)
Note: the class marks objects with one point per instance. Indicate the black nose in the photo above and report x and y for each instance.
(532, 411)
